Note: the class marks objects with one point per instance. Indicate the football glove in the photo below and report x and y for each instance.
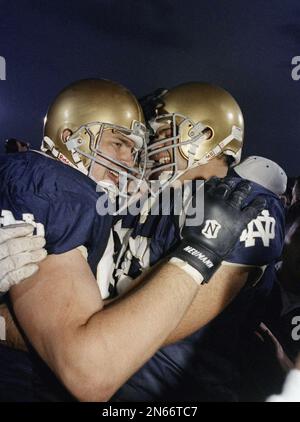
(203, 247)
(20, 251)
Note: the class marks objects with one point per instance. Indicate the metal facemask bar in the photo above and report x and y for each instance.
(235, 135)
(170, 171)
(137, 134)
(197, 134)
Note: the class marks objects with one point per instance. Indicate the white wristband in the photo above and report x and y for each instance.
(191, 271)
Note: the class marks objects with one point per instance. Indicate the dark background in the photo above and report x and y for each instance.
(246, 47)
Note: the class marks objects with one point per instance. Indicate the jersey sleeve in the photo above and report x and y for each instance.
(67, 220)
(61, 202)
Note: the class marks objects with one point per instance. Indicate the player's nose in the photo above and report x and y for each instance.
(126, 157)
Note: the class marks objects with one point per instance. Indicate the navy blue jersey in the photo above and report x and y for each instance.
(204, 366)
(150, 239)
(58, 197)
(143, 240)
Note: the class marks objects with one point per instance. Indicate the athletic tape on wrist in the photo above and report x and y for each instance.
(191, 271)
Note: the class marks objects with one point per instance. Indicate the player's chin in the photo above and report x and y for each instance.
(112, 177)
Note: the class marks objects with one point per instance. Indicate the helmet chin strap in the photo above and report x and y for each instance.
(49, 146)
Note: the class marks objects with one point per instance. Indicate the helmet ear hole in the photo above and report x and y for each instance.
(209, 133)
(65, 135)
(213, 113)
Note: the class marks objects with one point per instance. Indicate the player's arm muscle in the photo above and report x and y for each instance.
(211, 300)
(91, 349)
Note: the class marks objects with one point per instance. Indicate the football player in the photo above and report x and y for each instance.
(199, 133)
(61, 308)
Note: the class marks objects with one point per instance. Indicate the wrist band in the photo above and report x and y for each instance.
(191, 271)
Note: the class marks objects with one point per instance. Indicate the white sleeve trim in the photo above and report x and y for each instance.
(191, 271)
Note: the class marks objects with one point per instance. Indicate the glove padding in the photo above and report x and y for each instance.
(204, 247)
(19, 253)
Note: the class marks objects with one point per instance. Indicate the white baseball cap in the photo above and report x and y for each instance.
(263, 171)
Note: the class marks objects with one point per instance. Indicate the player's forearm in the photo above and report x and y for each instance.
(115, 342)
(210, 300)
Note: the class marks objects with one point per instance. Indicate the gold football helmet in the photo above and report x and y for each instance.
(86, 109)
(205, 122)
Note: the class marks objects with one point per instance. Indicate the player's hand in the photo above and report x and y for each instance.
(269, 339)
(20, 251)
(204, 247)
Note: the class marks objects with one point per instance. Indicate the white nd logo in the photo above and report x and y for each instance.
(263, 227)
(7, 218)
(211, 229)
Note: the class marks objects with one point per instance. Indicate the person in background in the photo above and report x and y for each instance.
(293, 211)
(13, 145)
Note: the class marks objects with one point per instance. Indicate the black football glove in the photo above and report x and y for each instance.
(204, 247)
